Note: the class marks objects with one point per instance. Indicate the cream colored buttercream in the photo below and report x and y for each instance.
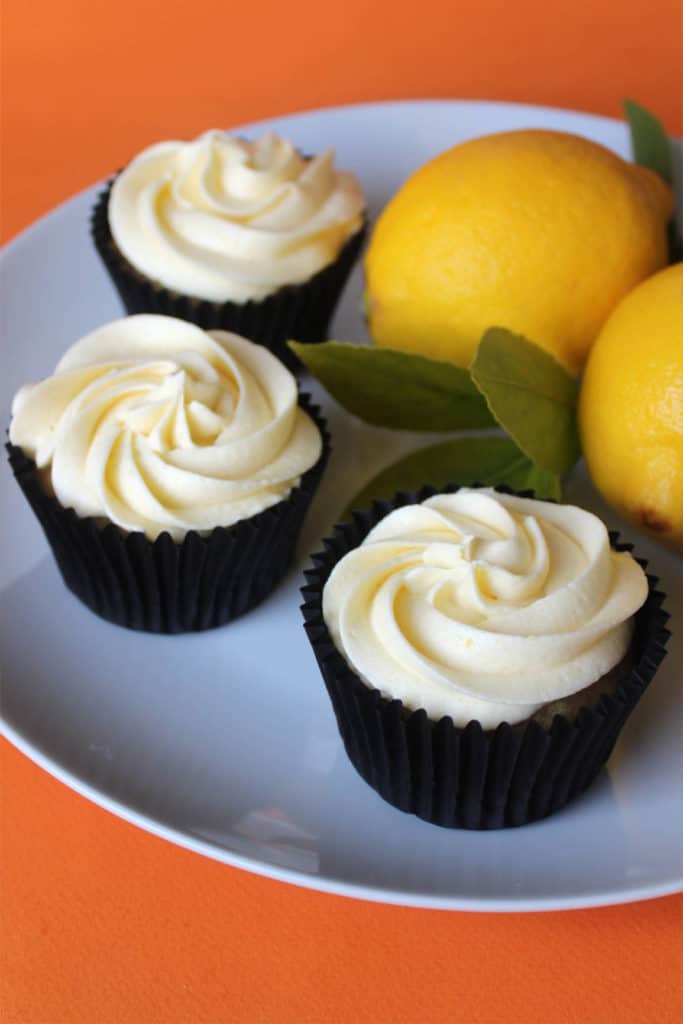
(224, 219)
(482, 605)
(158, 425)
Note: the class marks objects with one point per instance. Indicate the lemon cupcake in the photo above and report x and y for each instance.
(482, 650)
(243, 236)
(170, 468)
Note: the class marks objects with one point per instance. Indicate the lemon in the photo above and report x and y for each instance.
(631, 407)
(541, 232)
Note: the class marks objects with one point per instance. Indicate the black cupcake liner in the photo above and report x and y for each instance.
(164, 586)
(467, 777)
(299, 311)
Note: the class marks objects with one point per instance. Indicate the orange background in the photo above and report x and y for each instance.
(101, 922)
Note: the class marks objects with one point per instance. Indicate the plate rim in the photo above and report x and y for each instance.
(214, 851)
(546, 110)
(334, 887)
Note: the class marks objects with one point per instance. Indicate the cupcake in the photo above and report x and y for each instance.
(244, 236)
(170, 468)
(481, 649)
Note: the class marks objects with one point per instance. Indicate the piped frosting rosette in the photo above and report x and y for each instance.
(483, 606)
(157, 425)
(224, 219)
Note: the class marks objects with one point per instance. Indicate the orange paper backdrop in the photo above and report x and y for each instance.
(102, 923)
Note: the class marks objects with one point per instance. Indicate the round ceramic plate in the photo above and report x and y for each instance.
(225, 742)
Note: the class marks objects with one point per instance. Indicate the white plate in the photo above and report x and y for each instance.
(225, 742)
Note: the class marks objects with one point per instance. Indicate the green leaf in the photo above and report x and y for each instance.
(464, 460)
(650, 143)
(396, 389)
(531, 396)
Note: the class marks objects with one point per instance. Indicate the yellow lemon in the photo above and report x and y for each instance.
(541, 232)
(631, 407)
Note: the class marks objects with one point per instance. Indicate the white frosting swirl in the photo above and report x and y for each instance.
(223, 219)
(482, 605)
(158, 425)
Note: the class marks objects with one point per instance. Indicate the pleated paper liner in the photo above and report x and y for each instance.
(163, 586)
(467, 777)
(299, 311)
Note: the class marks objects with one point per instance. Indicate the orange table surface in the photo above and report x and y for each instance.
(102, 923)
